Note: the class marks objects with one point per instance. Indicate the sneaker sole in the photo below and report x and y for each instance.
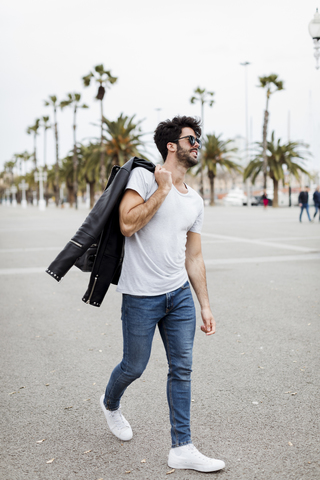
(200, 468)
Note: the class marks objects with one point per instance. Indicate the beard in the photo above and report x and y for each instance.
(185, 158)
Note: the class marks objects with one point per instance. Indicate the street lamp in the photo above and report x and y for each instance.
(314, 30)
(23, 187)
(245, 64)
(41, 177)
(14, 190)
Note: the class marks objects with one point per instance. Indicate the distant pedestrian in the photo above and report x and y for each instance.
(316, 199)
(304, 202)
(265, 199)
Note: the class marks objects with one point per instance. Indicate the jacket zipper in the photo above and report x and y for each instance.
(76, 243)
(94, 284)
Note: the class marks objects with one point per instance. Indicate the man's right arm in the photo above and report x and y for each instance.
(134, 212)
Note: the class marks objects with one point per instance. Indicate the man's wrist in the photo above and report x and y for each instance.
(205, 307)
(164, 190)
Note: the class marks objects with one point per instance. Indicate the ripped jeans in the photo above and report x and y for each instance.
(174, 313)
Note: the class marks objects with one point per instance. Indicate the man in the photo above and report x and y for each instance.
(161, 218)
(316, 200)
(304, 202)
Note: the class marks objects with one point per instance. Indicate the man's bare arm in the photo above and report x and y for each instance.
(134, 212)
(197, 275)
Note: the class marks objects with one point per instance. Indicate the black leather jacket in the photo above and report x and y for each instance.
(101, 226)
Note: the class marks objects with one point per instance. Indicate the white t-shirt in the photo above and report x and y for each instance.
(154, 259)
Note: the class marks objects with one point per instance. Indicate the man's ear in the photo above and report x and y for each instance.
(172, 147)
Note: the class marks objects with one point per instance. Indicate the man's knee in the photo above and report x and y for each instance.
(134, 370)
(181, 369)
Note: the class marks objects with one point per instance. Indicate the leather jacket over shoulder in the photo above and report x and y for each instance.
(102, 227)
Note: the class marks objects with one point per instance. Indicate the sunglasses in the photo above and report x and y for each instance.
(192, 140)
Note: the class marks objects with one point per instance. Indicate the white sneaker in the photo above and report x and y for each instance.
(117, 423)
(189, 457)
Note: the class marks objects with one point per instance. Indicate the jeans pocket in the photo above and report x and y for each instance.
(186, 285)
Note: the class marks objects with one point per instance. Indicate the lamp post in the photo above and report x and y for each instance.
(41, 177)
(245, 64)
(7, 194)
(314, 30)
(87, 195)
(62, 187)
(14, 190)
(23, 187)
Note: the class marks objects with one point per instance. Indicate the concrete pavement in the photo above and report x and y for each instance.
(255, 383)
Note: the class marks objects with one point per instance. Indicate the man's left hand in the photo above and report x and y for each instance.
(209, 324)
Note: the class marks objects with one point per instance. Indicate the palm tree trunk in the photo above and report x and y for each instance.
(70, 194)
(264, 144)
(45, 163)
(57, 156)
(35, 158)
(35, 150)
(211, 180)
(45, 148)
(102, 165)
(75, 159)
(275, 193)
(92, 184)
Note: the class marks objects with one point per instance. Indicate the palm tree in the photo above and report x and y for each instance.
(53, 102)
(67, 175)
(123, 139)
(51, 184)
(46, 127)
(278, 156)
(73, 100)
(8, 167)
(7, 175)
(203, 96)
(218, 152)
(24, 157)
(271, 84)
(34, 130)
(18, 163)
(91, 166)
(105, 79)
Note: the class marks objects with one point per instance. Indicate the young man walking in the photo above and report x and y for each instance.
(161, 218)
(316, 200)
(304, 202)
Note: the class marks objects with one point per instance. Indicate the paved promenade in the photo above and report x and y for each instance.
(256, 397)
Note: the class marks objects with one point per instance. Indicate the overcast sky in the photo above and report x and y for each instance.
(160, 52)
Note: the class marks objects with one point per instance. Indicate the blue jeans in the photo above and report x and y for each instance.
(174, 313)
(305, 206)
(317, 208)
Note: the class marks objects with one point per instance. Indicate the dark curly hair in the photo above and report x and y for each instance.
(169, 130)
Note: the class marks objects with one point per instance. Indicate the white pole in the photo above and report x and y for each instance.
(23, 187)
(245, 65)
(87, 195)
(14, 191)
(7, 200)
(41, 177)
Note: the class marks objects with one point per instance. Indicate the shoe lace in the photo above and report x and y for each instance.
(118, 418)
(196, 452)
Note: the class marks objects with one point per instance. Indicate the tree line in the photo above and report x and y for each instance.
(91, 163)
